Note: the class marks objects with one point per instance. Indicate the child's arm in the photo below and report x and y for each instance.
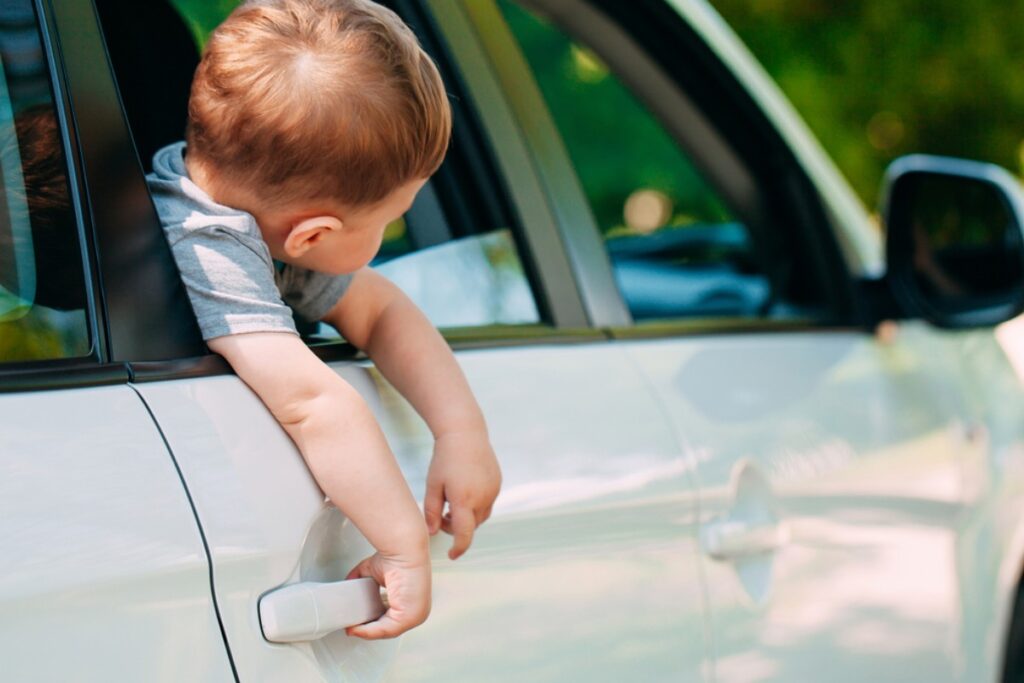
(350, 460)
(377, 317)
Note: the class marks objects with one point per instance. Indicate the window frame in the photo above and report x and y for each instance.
(93, 368)
(147, 315)
(596, 23)
(164, 342)
(141, 323)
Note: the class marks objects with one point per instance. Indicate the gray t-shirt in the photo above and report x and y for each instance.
(225, 264)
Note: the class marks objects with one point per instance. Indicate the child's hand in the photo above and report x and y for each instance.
(465, 473)
(408, 586)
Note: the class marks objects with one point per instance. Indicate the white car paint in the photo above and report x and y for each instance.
(863, 446)
(103, 575)
(258, 504)
(586, 571)
(573, 572)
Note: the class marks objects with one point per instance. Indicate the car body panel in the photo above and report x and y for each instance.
(257, 503)
(591, 539)
(867, 449)
(991, 549)
(103, 574)
(594, 532)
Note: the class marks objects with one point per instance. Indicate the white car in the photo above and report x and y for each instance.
(742, 439)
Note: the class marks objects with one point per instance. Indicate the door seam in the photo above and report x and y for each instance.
(694, 480)
(199, 526)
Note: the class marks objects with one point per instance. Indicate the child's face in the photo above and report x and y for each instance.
(339, 239)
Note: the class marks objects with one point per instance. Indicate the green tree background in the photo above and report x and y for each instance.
(876, 79)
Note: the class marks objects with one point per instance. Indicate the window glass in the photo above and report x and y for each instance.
(474, 281)
(461, 273)
(675, 247)
(42, 287)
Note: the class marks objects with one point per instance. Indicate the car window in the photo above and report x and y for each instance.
(676, 248)
(42, 286)
(454, 253)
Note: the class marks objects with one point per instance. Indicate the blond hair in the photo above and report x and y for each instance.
(318, 99)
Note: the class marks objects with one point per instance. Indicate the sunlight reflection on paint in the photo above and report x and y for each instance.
(1010, 336)
(540, 494)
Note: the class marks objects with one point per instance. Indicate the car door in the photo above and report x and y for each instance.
(103, 573)
(580, 574)
(828, 458)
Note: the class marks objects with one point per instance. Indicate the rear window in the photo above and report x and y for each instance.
(42, 285)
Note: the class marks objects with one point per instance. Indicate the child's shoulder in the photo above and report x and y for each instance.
(183, 205)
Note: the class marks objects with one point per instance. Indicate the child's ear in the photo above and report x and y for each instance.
(306, 234)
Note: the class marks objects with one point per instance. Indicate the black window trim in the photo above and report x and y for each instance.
(139, 315)
(147, 314)
(477, 173)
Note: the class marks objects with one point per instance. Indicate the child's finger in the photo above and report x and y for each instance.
(433, 505)
(360, 570)
(483, 515)
(463, 524)
(385, 627)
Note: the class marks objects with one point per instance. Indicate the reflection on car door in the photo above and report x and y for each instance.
(830, 490)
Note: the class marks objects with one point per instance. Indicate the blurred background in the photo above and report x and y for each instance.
(876, 79)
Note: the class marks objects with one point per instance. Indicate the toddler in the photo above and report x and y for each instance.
(312, 125)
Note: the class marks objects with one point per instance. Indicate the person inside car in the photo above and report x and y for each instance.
(312, 125)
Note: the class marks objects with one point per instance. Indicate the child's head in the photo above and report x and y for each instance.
(308, 107)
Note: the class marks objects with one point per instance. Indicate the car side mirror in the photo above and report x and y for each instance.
(954, 240)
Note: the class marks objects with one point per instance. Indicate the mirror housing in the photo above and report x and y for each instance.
(954, 240)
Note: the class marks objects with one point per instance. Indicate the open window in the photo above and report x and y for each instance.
(455, 253)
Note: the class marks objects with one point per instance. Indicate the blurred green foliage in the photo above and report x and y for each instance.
(617, 147)
(41, 334)
(203, 16)
(876, 79)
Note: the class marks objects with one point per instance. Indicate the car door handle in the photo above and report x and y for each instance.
(730, 539)
(310, 610)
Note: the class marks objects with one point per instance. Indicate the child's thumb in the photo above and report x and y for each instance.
(365, 568)
(433, 505)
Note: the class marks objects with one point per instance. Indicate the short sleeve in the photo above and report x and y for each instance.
(312, 294)
(229, 277)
